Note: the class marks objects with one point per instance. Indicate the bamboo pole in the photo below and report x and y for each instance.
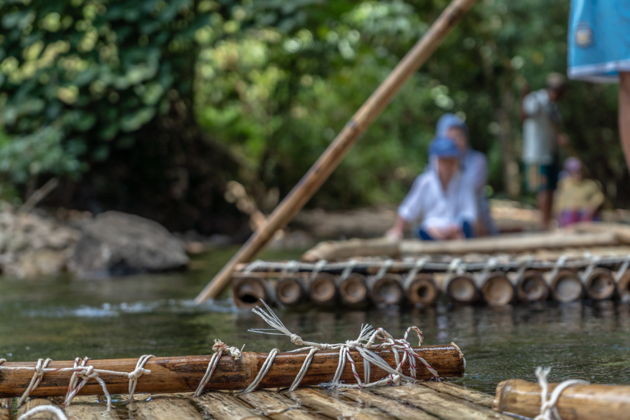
(583, 402)
(386, 290)
(421, 290)
(183, 373)
(353, 290)
(290, 291)
(247, 292)
(333, 155)
(531, 287)
(623, 287)
(600, 284)
(496, 289)
(565, 285)
(462, 289)
(323, 289)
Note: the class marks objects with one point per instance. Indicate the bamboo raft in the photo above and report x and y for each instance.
(423, 401)
(491, 279)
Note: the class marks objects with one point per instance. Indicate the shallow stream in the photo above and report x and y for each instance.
(62, 318)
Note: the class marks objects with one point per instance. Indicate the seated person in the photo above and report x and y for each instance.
(577, 199)
(440, 200)
(474, 169)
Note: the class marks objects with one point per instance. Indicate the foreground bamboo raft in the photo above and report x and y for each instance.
(423, 401)
(421, 281)
(576, 402)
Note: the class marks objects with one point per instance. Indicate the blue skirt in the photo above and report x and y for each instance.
(599, 39)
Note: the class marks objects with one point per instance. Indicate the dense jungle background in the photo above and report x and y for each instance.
(152, 106)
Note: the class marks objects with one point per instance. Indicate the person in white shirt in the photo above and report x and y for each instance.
(440, 202)
(474, 167)
(541, 138)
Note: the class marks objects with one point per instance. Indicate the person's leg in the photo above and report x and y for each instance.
(468, 230)
(424, 235)
(624, 113)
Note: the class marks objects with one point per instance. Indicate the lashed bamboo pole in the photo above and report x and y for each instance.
(584, 402)
(333, 155)
(421, 289)
(599, 284)
(290, 291)
(353, 290)
(531, 286)
(623, 287)
(462, 289)
(565, 285)
(248, 291)
(496, 289)
(323, 289)
(386, 290)
(183, 374)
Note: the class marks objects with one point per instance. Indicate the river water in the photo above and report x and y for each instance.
(62, 318)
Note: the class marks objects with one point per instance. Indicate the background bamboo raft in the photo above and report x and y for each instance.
(599, 274)
(425, 401)
(579, 237)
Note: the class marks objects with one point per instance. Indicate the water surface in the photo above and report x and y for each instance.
(62, 318)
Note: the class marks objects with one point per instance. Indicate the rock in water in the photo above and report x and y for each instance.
(116, 244)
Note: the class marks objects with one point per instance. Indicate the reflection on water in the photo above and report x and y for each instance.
(63, 318)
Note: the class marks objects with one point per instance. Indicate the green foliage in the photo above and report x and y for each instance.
(79, 78)
(84, 82)
(290, 74)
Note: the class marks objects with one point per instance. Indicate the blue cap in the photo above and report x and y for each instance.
(443, 147)
(447, 121)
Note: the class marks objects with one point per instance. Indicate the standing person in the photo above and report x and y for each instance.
(599, 51)
(474, 168)
(541, 137)
(440, 201)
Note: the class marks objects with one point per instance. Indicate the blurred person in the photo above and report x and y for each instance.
(541, 137)
(440, 201)
(474, 167)
(577, 199)
(599, 51)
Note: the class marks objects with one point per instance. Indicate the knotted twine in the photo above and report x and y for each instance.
(548, 410)
(82, 373)
(367, 344)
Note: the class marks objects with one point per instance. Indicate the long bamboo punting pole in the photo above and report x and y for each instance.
(583, 402)
(183, 374)
(333, 155)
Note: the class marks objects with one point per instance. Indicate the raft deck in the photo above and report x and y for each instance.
(426, 400)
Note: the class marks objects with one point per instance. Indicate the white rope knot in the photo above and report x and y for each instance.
(38, 374)
(84, 372)
(548, 409)
(367, 344)
(296, 340)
